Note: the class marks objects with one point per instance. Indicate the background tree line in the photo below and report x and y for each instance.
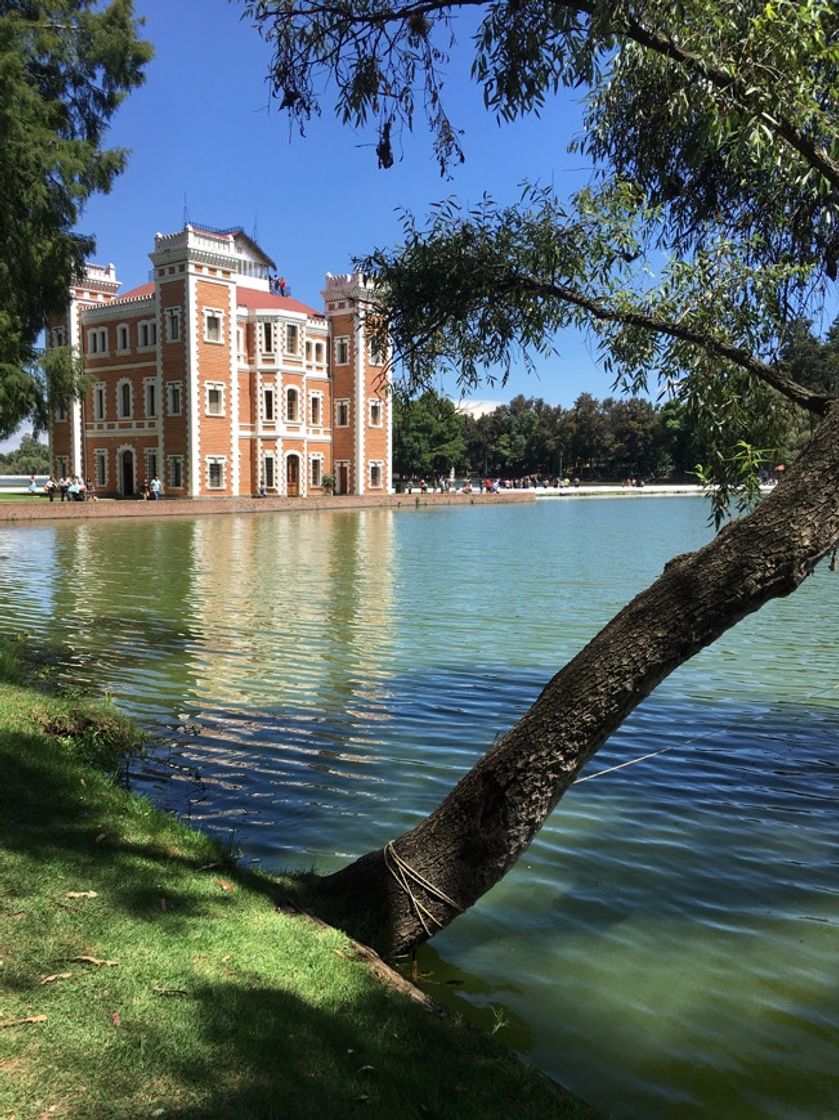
(609, 439)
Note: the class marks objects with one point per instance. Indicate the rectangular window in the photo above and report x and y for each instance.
(173, 324)
(124, 400)
(342, 350)
(99, 402)
(213, 331)
(215, 474)
(316, 411)
(308, 352)
(176, 472)
(215, 400)
(57, 336)
(342, 414)
(240, 342)
(268, 404)
(97, 341)
(147, 334)
(270, 480)
(151, 465)
(61, 466)
(61, 412)
(317, 471)
(292, 339)
(122, 338)
(267, 338)
(319, 354)
(376, 414)
(151, 398)
(376, 474)
(174, 390)
(100, 468)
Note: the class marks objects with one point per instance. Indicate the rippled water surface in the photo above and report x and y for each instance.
(668, 946)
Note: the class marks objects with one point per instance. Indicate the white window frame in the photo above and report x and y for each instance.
(170, 464)
(150, 395)
(373, 404)
(173, 324)
(123, 338)
(241, 344)
(320, 354)
(340, 404)
(292, 338)
(342, 350)
(100, 401)
(214, 313)
(269, 393)
(150, 462)
(316, 399)
(97, 342)
(292, 390)
(213, 385)
(376, 463)
(146, 334)
(123, 381)
(100, 467)
(269, 457)
(266, 339)
(171, 387)
(216, 461)
(57, 337)
(316, 470)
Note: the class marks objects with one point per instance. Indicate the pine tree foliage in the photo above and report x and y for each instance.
(65, 67)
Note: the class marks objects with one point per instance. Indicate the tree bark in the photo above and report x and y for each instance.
(482, 827)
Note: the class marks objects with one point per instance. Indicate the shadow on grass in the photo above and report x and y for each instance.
(281, 1057)
(49, 812)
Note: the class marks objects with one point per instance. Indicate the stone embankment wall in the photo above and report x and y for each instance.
(41, 509)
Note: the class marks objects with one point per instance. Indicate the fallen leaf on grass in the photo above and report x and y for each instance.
(116, 1018)
(225, 885)
(82, 894)
(56, 976)
(224, 960)
(96, 961)
(340, 954)
(19, 1022)
(14, 917)
(169, 991)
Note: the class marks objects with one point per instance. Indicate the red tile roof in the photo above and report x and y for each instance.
(253, 298)
(136, 293)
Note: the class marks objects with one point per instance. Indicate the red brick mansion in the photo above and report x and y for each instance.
(209, 379)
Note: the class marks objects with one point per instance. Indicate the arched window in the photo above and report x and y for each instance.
(292, 406)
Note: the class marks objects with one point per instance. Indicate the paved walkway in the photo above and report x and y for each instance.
(41, 509)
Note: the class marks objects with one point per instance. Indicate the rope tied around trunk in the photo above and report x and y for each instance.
(407, 877)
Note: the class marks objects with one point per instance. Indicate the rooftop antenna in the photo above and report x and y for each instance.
(186, 212)
(255, 230)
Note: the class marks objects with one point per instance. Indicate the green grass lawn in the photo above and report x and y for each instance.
(142, 976)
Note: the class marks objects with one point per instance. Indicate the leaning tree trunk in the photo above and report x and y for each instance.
(415, 886)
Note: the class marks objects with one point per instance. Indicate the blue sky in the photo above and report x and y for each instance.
(205, 140)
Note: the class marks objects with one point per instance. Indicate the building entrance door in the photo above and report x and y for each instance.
(128, 473)
(343, 479)
(292, 476)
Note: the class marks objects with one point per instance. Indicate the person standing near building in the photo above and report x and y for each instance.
(155, 488)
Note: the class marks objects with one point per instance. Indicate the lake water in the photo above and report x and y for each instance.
(667, 948)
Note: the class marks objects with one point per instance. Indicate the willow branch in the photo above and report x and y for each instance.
(771, 375)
